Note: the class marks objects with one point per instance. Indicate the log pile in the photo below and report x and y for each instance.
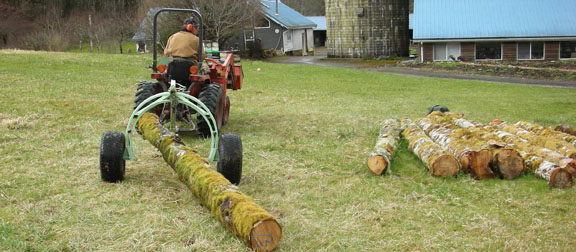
(506, 163)
(444, 142)
(545, 163)
(474, 155)
(237, 212)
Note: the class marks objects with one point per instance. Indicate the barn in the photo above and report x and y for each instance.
(512, 30)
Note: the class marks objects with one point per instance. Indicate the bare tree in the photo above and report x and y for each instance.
(223, 18)
(307, 7)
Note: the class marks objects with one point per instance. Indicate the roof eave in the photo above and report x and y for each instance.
(433, 40)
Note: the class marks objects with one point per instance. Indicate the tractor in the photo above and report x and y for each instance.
(180, 90)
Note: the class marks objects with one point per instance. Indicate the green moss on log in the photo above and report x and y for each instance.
(236, 211)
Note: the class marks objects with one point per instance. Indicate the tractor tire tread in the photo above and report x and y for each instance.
(230, 151)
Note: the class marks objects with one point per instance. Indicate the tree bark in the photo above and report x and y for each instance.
(543, 162)
(236, 211)
(380, 159)
(473, 155)
(437, 160)
(539, 135)
(553, 134)
(566, 129)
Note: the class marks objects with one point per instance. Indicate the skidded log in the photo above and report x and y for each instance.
(539, 135)
(506, 162)
(473, 155)
(437, 160)
(237, 212)
(566, 129)
(543, 162)
(380, 158)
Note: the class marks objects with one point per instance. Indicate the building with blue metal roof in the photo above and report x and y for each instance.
(319, 31)
(510, 30)
(278, 27)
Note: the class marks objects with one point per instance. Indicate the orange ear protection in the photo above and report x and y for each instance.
(189, 27)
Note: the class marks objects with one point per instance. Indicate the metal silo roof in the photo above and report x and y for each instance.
(489, 19)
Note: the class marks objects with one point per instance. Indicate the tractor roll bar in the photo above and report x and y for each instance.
(200, 30)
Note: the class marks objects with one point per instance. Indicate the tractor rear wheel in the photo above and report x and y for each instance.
(144, 90)
(211, 96)
(230, 152)
(112, 163)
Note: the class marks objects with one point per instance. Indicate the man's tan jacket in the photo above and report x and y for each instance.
(183, 44)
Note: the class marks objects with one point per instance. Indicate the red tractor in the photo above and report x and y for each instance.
(209, 87)
(181, 90)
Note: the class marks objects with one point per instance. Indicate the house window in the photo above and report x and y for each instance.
(262, 23)
(530, 50)
(568, 50)
(489, 51)
(446, 51)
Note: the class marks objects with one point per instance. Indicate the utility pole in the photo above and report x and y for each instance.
(90, 32)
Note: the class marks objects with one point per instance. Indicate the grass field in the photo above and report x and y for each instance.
(306, 133)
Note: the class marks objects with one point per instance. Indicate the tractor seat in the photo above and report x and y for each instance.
(179, 69)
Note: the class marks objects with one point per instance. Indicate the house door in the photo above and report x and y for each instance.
(248, 39)
(287, 39)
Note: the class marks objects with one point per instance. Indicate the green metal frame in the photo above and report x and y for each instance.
(174, 98)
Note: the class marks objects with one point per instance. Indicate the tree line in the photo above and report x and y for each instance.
(104, 25)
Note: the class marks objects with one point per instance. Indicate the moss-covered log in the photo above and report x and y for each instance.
(236, 211)
(474, 155)
(566, 129)
(539, 135)
(544, 163)
(380, 158)
(506, 162)
(437, 160)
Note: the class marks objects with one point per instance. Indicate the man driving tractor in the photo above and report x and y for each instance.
(184, 44)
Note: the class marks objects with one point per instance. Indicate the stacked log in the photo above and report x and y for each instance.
(539, 135)
(565, 129)
(236, 211)
(561, 137)
(474, 156)
(437, 160)
(506, 163)
(543, 162)
(380, 159)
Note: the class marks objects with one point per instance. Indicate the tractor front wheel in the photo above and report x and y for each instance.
(230, 152)
(112, 163)
(211, 96)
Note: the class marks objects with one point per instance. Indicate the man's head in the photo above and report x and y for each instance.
(191, 25)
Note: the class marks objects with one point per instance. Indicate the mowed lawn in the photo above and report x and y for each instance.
(306, 133)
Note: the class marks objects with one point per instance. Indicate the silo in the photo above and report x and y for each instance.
(367, 28)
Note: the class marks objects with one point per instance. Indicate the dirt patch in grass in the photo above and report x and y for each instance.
(545, 70)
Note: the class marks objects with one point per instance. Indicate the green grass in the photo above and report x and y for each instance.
(112, 47)
(306, 133)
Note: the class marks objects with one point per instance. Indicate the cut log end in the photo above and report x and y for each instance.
(480, 165)
(560, 178)
(265, 235)
(571, 168)
(445, 166)
(508, 164)
(377, 164)
(465, 162)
